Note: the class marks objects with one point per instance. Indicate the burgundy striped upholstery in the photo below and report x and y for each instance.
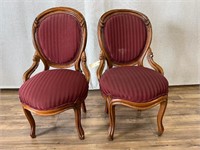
(59, 36)
(136, 84)
(53, 89)
(125, 37)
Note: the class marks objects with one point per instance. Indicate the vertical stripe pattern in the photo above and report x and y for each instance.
(125, 37)
(136, 84)
(53, 89)
(59, 36)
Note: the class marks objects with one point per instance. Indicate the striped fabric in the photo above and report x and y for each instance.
(136, 84)
(125, 37)
(53, 89)
(59, 36)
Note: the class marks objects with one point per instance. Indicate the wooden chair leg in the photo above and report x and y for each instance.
(106, 107)
(77, 111)
(31, 122)
(160, 115)
(111, 111)
(83, 107)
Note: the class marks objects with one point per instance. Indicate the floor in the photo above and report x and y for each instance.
(181, 122)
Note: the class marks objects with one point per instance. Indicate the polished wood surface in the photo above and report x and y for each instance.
(134, 130)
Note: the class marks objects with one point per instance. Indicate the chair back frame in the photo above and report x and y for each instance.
(52, 11)
(101, 38)
(81, 56)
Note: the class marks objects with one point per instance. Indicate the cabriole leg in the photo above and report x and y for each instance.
(77, 111)
(31, 122)
(111, 111)
(160, 115)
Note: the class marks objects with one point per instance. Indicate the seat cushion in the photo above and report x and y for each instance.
(136, 84)
(53, 89)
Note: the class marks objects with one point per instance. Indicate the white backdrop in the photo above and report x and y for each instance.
(176, 32)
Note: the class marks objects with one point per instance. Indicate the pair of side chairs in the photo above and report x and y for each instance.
(59, 37)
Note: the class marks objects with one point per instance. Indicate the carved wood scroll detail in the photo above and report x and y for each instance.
(152, 63)
(146, 21)
(101, 23)
(101, 65)
(82, 22)
(35, 23)
(28, 73)
(84, 66)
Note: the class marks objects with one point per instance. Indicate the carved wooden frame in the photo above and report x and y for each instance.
(80, 59)
(104, 56)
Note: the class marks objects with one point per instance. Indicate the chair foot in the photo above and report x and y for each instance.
(77, 111)
(160, 115)
(110, 137)
(33, 136)
(110, 134)
(31, 122)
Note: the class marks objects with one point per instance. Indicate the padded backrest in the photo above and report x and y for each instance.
(59, 36)
(124, 36)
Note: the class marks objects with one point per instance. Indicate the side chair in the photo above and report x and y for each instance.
(59, 37)
(124, 38)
